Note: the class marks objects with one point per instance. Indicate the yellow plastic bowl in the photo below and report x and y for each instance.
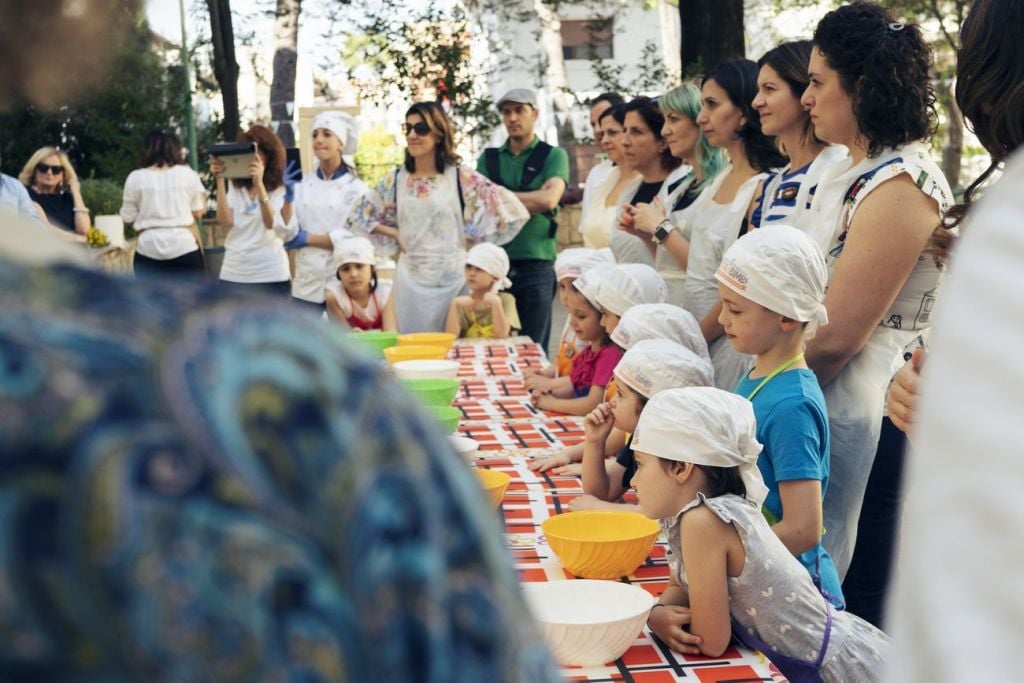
(396, 354)
(494, 484)
(601, 544)
(442, 340)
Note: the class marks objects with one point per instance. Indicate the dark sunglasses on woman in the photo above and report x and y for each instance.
(55, 170)
(420, 128)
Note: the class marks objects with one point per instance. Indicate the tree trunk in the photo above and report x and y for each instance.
(282, 90)
(557, 82)
(711, 31)
(952, 151)
(225, 67)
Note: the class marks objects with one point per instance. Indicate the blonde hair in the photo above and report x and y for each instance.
(28, 173)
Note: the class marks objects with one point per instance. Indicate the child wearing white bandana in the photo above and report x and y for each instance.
(696, 454)
(772, 284)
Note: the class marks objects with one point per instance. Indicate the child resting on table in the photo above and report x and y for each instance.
(772, 285)
(648, 367)
(730, 575)
(584, 388)
(485, 312)
(640, 322)
(630, 284)
(569, 265)
(355, 296)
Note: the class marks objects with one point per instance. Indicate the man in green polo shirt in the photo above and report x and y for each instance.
(545, 170)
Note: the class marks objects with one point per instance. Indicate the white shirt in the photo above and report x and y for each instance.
(163, 198)
(957, 609)
(322, 207)
(252, 253)
(595, 177)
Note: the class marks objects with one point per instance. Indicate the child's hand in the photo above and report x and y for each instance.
(598, 423)
(667, 623)
(560, 459)
(541, 400)
(585, 502)
(537, 383)
(573, 469)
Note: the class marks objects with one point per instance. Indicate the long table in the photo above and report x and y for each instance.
(497, 413)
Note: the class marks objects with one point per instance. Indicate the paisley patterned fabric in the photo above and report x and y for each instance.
(195, 488)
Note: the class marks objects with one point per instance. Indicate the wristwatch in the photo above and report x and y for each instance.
(664, 228)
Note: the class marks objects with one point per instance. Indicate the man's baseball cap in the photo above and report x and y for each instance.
(519, 96)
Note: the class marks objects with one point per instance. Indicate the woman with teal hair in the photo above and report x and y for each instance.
(665, 219)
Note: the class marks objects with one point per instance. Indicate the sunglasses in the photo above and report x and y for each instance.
(55, 170)
(420, 128)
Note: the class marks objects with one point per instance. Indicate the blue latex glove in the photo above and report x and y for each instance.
(299, 241)
(292, 173)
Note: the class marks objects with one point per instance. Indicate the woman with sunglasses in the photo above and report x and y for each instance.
(427, 209)
(53, 184)
(317, 207)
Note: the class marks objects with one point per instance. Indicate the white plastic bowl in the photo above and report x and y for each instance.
(464, 446)
(426, 369)
(588, 622)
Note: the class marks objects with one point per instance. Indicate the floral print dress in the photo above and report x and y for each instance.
(435, 216)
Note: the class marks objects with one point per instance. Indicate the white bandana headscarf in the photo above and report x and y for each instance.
(661, 321)
(493, 260)
(573, 262)
(703, 426)
(588, 281)
(782, 269)
(655, 365)
(628, 285)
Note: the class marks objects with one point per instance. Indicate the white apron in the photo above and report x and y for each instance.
(856, 397)
(715, 228)
(600, 221)
(666, 264)
(431, 271)
(322, 207)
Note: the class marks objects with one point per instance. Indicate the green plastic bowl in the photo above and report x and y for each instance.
(447, 416)
(376, 340)
(433, 392)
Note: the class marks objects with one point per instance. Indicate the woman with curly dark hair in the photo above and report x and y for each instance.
(876, 217)
(720, 213)
(781, 82)
(250, 207)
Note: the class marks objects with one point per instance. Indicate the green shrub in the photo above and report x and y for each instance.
(103, 197)
(379, 153)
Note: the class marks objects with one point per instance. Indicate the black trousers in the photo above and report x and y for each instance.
(534, 287)
(867, 581)
(190, 265)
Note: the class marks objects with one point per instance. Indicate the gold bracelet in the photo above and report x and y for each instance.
(265, 199)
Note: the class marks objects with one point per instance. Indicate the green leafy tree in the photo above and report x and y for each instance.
(102, 132)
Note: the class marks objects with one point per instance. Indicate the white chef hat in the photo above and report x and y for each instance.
(654, 365)
(354, 250)
(703, 426)
(343, 125)
(572, 262)
(589, 280)
(782, 269)
(628, 285)
(661, 321)
(493, 260)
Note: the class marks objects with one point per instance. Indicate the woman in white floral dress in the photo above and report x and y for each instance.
(427, 209)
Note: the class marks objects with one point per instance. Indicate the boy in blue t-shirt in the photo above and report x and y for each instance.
(772, 283)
